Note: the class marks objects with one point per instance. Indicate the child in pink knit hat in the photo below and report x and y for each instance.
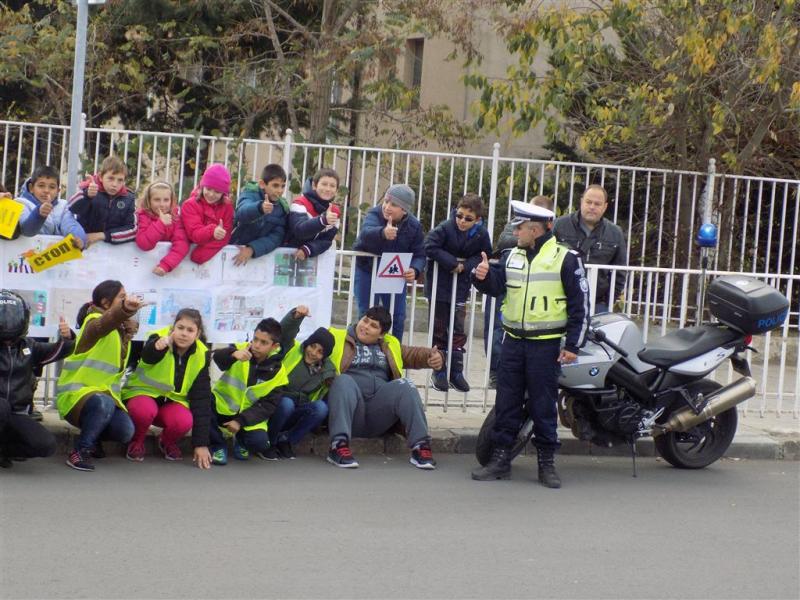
(207, 214)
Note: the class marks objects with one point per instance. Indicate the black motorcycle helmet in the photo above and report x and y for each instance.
(14, 316)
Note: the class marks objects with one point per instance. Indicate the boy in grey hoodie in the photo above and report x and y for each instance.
(42, 212)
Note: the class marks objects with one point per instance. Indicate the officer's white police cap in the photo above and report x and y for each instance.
(522, 213)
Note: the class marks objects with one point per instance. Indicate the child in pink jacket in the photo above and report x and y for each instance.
(207, 214)
(158, 221)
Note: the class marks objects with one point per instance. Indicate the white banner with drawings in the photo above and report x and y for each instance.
(232, 299)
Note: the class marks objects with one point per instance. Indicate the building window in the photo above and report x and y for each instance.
(414, 48)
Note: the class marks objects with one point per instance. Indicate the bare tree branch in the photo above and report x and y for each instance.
(276, 44)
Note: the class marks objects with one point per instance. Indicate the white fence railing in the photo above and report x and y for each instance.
(659, 211)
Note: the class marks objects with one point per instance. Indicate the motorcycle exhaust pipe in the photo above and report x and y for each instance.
(720, 401)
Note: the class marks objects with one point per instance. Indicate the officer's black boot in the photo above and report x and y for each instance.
(439, 378)
(457, 372)
(547, 468)
(498, 467)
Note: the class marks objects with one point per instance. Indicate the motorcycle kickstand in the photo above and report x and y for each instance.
(632, 444)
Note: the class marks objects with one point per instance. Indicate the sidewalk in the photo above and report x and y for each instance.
(456, 431)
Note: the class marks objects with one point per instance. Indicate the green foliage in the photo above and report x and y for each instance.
(667, 82)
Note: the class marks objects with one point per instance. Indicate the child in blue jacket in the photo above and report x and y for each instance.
(456, 246)
(261, 215)
(104, 207)
(389, 227)
(42, 212)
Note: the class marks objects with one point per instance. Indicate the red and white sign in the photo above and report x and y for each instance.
(389, 277)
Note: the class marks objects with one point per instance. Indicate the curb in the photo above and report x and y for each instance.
(746, 445)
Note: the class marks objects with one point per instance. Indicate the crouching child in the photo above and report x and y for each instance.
(246, 394)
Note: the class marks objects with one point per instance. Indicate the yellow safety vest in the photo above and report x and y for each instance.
(159, 379)
(535, 306)
(98, 370)
(234, 396)
(291, 360)
(340, 336)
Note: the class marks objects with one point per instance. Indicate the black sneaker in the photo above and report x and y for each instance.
(422, 458)
(270, 453)
(341, 456)
(80, 461)
(98, 451)
(285, 450)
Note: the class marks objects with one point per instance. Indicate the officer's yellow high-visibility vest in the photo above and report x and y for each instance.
(339, 337)
(292, 359)
(233, 395)
(98, 370)
(535, 306)
(159, 379)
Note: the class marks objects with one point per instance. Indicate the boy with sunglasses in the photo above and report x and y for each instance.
(456, 246)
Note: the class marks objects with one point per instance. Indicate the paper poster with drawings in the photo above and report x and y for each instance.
(66, 302)
(290, 272)
(255, 271)
(148, 314)
(208, 273)
(230, 309)
(37, 301)
(238, 312)
(172, 300)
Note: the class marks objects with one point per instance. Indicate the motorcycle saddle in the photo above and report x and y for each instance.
(683, 344)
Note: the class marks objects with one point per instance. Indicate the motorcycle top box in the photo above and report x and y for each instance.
(747, 304)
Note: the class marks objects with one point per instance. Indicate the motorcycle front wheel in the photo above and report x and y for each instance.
(485, 446)
(703, 444)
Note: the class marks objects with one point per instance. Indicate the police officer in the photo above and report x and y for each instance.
(546, 302)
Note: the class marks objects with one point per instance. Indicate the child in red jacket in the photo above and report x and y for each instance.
(207, 214)
(158, 221)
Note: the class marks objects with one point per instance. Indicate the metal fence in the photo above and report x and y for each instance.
(659, 211)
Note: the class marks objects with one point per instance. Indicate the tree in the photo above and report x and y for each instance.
(240, 68)
(667, 83)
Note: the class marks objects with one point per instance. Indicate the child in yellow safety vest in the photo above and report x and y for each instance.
(247, 392)
(88, 389)
(171, 389)
(310, 371)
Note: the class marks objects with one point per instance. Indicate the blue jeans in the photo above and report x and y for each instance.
(101, 420)
(255, 440)
(292, 423)
(497, 334)
(363, 284)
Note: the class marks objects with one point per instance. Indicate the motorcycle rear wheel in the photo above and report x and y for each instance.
(703, 444)
(485, 445)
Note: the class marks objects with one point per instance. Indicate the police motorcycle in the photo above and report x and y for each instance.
(619, 389)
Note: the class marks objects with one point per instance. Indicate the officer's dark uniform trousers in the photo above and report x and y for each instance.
(527, 365)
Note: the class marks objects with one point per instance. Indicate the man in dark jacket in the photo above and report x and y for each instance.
(20, 435)
(389, 227)
(598, 240)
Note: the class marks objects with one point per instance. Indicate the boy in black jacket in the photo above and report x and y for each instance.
(247, 393)
(20, 436)
(104, 207)
(456, 246)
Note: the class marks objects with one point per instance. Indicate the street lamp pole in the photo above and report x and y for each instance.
(75, 132)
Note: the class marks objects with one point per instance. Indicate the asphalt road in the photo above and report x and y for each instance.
(305, 529)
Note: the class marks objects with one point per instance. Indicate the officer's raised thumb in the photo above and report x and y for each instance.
(484, 258)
